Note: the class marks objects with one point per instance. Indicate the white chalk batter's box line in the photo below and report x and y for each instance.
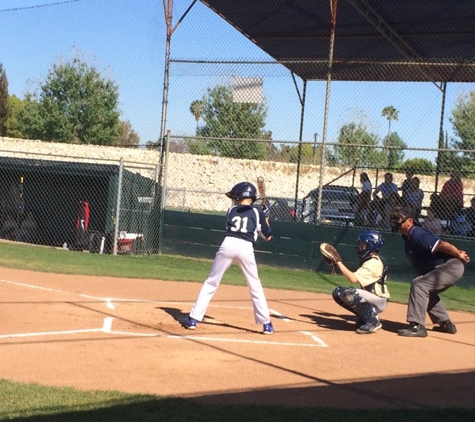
(108, 324)
(110, 305)
(107, 328)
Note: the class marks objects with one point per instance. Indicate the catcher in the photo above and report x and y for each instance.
(372, 298)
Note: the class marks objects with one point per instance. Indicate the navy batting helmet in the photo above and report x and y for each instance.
(368, 241)
(242, 190)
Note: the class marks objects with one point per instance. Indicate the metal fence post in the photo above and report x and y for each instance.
(117, 208)
(164, 192)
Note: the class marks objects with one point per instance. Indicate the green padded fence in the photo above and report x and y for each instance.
(294, 245)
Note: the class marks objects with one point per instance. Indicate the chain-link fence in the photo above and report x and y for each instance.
(96, 205)
(235, 114)
(313, 140)
(350, 195)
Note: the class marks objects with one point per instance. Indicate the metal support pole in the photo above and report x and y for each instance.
(168, 10)
(333, 7)
(164, 194)
(299, 159)
(441, 138)
(117, 208)
(166, 77)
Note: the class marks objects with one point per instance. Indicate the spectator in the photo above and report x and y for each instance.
(414, 195)
(9, 228)
(459, 226)
(386, 187)
(27, 232)
(470, 216)
(362, 208)
(392, 201)
(375, 213)
(365, 183)
(453, 188)
(406, 184)
(364, 199)
(432, 223)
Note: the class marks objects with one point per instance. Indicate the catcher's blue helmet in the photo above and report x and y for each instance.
(368, 241)
(242, 190)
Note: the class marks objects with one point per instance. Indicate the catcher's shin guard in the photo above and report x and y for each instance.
(337, 294)
(364, 310)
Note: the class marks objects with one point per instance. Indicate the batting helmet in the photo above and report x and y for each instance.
(241, 191)
(368, 241)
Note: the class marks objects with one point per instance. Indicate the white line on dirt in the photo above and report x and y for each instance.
(230, 340)
(109, 304)
(279, 315)
(107, 324)
(52, 333)
(316, 338)
(107, 327)
(32, 286)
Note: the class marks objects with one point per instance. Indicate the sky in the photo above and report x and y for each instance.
(125, 41)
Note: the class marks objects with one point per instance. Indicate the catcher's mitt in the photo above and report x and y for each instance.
(330, 254)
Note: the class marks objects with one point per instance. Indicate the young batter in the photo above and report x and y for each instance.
(244, 223)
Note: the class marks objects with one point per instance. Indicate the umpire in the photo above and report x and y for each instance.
(439, 265)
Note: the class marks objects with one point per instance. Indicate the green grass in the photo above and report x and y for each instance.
(164, 267)
(31, 402)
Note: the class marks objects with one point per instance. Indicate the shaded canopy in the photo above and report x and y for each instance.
(375, 40)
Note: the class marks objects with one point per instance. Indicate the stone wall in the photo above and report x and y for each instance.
(198, 182)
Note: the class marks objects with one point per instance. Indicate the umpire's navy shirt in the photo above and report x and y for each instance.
(419, 244)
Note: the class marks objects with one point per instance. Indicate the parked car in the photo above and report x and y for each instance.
(338, 205)
(283, 209)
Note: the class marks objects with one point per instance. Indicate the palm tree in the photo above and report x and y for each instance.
(391, 114)
(197, 109)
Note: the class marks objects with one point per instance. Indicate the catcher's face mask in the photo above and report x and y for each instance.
(361, 249)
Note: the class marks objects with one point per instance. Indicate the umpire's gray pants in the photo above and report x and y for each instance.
(425, 289)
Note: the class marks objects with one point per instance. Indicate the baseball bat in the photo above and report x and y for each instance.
(261, 187)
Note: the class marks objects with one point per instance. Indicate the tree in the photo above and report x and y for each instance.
(128, 137)
(395, 150)
(357, 147)
(74, 105)
(4, 106)
(26, 120)
(197, 109)
(12, 125)
(226, 119)
(178, 145)
(463, 123)
(419, 166)
(391, 114)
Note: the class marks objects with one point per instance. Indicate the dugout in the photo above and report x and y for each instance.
(52, 190)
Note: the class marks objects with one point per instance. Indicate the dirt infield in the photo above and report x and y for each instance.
(119, 334)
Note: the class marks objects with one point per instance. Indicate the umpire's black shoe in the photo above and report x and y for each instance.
(446, 327)
(414, 330)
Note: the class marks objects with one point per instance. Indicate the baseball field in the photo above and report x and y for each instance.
(97, 337)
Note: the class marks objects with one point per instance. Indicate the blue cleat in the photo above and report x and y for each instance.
(268, 328)
(190, 323)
